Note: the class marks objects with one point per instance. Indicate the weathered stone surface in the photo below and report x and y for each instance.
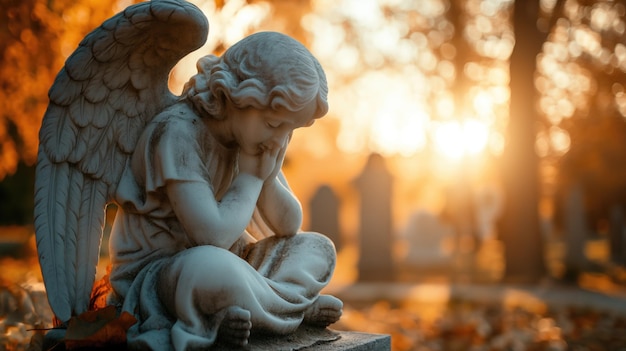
(355, 341)
(305, 339)
(207, 243)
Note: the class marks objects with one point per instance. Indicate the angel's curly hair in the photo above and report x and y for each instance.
(263, 70)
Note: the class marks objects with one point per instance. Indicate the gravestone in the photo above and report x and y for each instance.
(488, 210)
(575, 231)
(617, 234)
(374, 185)
(460, 213)
(427, 241)
(325, 214)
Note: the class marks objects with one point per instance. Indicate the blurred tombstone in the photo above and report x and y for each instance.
(428, 242)
(325, 214)
(488, 211)
(460, 212)
(576, 230)
(617, 234)
(376, 239)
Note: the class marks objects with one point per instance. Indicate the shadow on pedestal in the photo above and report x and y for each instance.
(304, 339)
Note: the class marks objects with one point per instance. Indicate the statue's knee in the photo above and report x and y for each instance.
(320, 239)
(211, 263)
(318, 242)
(201, 271)
(213, 270)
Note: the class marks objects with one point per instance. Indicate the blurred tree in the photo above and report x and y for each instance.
(596, 161)
(459, 207)
(581, 78)
(463, 51)
(35, 38)
(520, 229)
(580, 127)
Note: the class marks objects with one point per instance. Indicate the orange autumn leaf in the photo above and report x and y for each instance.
(100, 291)
(98, 328)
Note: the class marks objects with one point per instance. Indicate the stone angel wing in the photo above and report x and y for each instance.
(110, 87)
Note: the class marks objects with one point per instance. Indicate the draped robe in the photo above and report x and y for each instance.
(179, 290)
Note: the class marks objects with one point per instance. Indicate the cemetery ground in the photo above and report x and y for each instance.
(459, 305)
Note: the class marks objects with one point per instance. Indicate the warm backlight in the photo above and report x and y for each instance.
(454, 139)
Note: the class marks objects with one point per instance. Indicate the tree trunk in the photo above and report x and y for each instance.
(463, 55)
(520, 229)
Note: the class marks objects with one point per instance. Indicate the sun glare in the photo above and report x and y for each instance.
(454, 139)
(393, 122)
(483, 103)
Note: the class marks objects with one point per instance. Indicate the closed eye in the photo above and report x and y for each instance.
(273, 125)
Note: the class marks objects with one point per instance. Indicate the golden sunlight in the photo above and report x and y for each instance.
(392, 121)
(229, 24)
(455, 139)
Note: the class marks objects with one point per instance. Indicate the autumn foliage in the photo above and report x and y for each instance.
(98, 328)
(36, 36)
(101, 326)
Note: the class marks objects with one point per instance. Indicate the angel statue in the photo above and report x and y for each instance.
(206, 244)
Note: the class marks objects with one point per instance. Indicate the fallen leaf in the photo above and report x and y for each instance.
(100, 291)
(99, 328)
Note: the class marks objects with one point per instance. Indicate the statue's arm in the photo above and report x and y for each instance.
(220, 223)
(209, 222)
(279, 207)
(277, 204)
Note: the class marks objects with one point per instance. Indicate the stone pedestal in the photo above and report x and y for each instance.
(343, 341)
(355, 341)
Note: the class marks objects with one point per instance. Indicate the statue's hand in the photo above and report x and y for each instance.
(280, 158)
(266, 164)
(260, 165)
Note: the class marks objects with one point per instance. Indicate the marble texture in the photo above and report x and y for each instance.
(206, 245)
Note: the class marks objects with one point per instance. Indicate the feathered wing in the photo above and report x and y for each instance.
(110, 87)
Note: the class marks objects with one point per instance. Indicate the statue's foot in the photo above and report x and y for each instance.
(325, 311)
(235, 327)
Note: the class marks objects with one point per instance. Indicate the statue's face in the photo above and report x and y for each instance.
(257, 130)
